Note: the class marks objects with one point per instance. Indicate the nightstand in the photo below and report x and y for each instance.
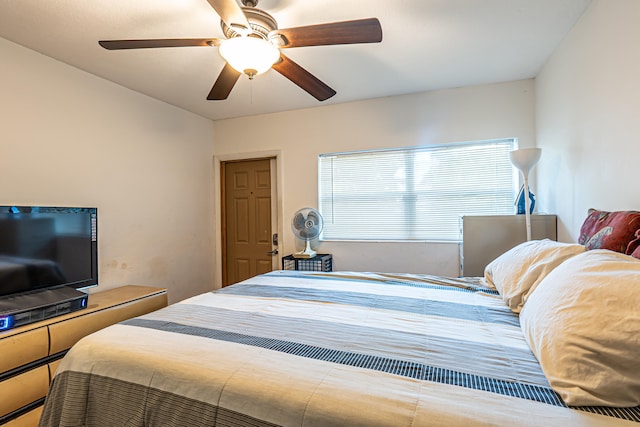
(320, 262)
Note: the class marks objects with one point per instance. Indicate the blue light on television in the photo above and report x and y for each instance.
(5, 322)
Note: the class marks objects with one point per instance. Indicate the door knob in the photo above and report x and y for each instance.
(273, 252)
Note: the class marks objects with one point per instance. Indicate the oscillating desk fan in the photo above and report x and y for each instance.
(306, 225)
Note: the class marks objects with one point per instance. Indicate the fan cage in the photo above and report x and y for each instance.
(320, 262)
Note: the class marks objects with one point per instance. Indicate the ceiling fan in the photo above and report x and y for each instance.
(253, 42)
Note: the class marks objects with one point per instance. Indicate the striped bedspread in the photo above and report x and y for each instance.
(317, 349)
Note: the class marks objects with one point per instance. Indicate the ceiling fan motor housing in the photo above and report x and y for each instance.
(260, 21)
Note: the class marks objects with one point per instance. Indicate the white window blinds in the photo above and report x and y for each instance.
(413, 193)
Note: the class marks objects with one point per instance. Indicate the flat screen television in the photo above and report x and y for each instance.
(47, 247)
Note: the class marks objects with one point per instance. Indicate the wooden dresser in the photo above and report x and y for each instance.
(29, 355)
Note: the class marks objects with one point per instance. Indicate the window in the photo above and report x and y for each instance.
(415, 193)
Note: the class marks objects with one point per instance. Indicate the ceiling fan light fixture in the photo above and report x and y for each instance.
(249, 55)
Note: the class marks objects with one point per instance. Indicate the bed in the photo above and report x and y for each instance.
(374, 349)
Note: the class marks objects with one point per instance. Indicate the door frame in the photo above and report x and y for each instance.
(276, 204)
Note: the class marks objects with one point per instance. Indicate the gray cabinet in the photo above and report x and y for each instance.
(485, 237)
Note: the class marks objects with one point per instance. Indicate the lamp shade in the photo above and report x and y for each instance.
(525, 158)
(249, 55)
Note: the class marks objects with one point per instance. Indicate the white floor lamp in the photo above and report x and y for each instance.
(525, 159)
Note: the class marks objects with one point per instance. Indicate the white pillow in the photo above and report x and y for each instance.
(583, 324)
(517, 272)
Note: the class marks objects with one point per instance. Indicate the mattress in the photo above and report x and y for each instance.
(317, 349)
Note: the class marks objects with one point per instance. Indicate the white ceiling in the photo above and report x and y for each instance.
(427, 45)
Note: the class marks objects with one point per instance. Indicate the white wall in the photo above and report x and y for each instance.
(474, 113)
(68, 138)
(588, 117)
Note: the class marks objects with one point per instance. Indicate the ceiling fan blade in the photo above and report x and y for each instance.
(231, 13)
(344, 32)
(223, 85)
(303, 78)
(153, 43)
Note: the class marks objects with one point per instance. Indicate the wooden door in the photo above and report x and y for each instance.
(246, 220)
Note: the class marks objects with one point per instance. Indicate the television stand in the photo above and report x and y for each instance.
(22, 309)
(31, 353)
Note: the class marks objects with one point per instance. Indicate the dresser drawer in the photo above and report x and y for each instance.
(23, 389)
(64, 335)
(30, 419)
(23, 348)
(53, 367)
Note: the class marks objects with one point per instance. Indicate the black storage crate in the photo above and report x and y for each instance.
(320, 262)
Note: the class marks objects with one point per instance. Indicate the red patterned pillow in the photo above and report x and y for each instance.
(634, 246)
(610, 230)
